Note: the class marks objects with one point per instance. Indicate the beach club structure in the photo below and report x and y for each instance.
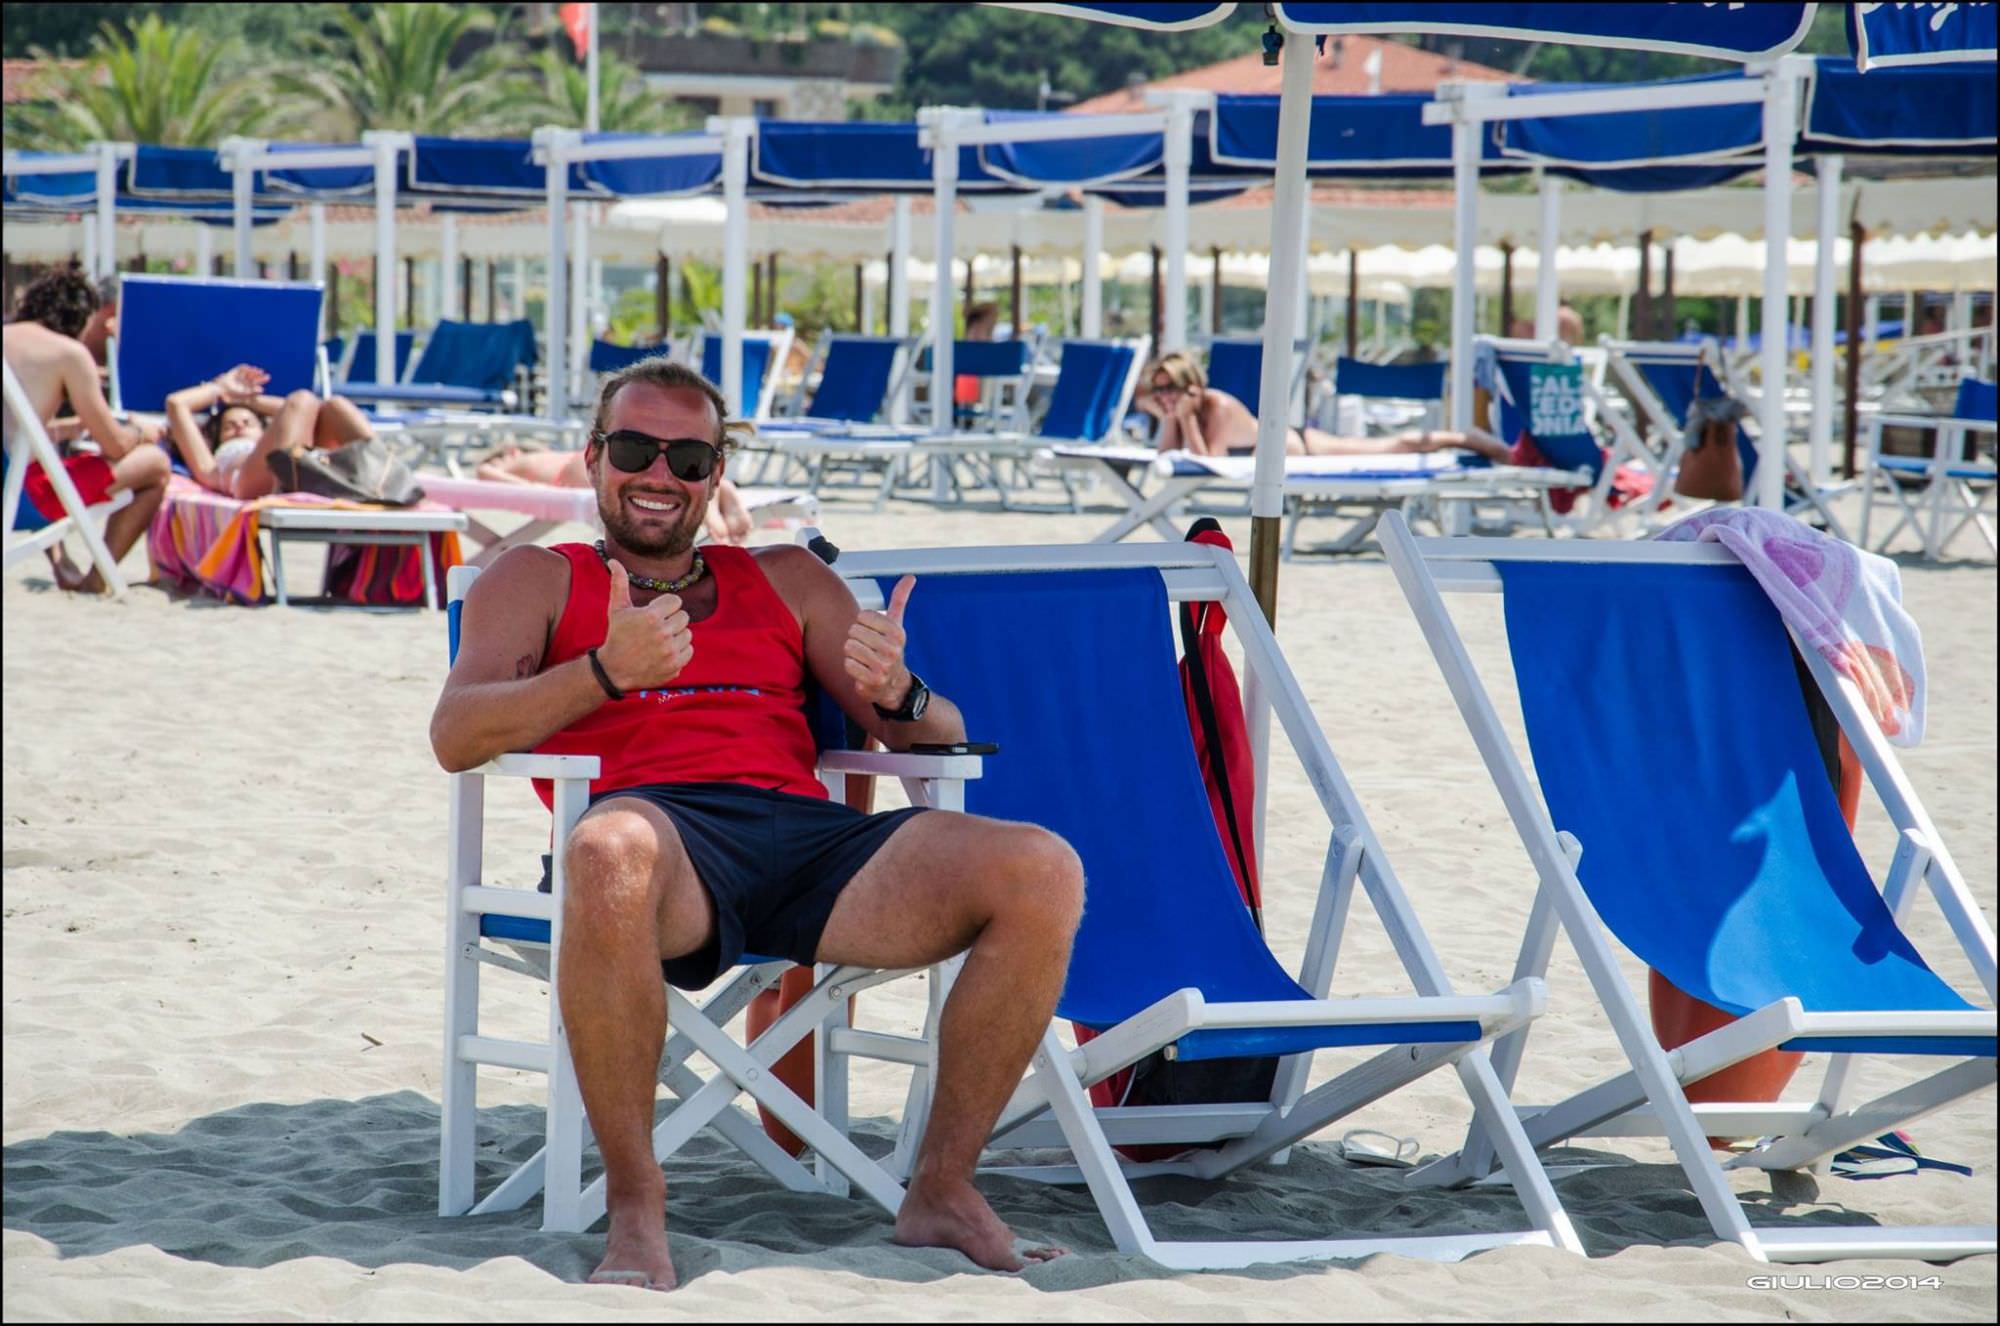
(1911, 87)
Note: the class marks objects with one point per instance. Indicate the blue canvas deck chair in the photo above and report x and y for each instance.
(764, 354)
(493, 927)
(28, 531)
(1555, 394)
(1168, 958)
(464, 366)
(1393, 396)
(355, 361)
(856, 381)
(1939, 495)
(1663, 378)
(1742, 885)
(1236, 365)
(1004, 370)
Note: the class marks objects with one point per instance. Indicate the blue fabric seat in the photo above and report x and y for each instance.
(756, 363)
(854, 379)
(1413, 382)
(605, 357)
(1089, 392)
(361, 368)
(1163, 912)
(1741, 884)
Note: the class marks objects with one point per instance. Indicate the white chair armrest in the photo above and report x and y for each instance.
(901, 764)
(525, 765)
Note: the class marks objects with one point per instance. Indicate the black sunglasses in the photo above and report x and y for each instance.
(688, 458)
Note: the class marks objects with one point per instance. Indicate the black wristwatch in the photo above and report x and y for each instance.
(915, 701)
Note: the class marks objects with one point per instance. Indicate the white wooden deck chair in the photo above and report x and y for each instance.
(1937, 496)
(27, 534)
(1168, 957)
(518, 930)
(1753, 899)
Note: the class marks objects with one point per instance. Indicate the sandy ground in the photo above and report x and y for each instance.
(224, 856)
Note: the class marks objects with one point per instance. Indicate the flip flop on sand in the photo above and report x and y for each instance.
(1897, 1154)
(1368, 1146)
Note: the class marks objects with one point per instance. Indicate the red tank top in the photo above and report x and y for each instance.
(735, 714)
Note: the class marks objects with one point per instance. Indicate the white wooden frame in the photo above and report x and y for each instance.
(556, 1170)
(30, 444)
(1057, 1086)
(1957, 491)
(1803, 1133)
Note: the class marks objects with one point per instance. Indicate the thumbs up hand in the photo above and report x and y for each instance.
(643, 647)
(874, 650)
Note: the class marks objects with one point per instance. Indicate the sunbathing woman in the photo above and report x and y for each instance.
(1207, 421)
(226, 451)
(728, 520)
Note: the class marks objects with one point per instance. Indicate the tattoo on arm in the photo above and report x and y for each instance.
(524, 667)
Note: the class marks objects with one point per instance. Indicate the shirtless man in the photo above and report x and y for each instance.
(708, 835)
(1206, 421)
(44, 353)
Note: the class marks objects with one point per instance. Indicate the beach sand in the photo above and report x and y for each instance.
(224, 858)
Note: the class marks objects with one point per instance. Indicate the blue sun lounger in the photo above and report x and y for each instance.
(1940, 494)
(1660, 676)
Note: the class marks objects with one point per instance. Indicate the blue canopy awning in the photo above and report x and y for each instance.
(1720, 32)
(490, 171)
(1885, 36)
(863, 157)
(1644, 151)
(1359, 137)
(651, 177)
(1160, 17)
(1944, 110)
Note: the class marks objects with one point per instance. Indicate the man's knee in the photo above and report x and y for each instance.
(1046, 875)
(144, 467)
(608, 862)
(302, 399)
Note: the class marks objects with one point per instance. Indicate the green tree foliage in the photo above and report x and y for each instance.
(394, 67)
(625, 103)
(155, 83)
(69, 31)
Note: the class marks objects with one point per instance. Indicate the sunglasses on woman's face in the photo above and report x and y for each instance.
(688, 458)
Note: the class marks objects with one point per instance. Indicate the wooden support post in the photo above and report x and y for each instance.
(663, 295)
(771, 289)
(333, 299)
(757, 293)
(465, 289)
(410, 291)
(1158, 321)
(1215, 291)
(1015, 309)
(493, 290)
(1353, 303)
(1642, 299)
(1668, 328)
(860, 297)
(291, 265)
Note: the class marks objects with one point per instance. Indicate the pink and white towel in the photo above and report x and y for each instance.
(1839, 600)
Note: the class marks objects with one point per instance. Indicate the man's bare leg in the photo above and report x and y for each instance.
(632, 898)
(338, 422)
(143, 471)
(1011, 894)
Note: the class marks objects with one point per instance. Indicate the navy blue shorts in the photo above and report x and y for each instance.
(773, 862)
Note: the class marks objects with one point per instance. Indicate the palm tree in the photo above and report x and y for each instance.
(624, 103)
(155, 84)
(393, 69)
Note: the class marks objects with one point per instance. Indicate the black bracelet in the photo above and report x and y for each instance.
(603, 677)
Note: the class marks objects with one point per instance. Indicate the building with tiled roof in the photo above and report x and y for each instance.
(1342, 69)
(23, 81)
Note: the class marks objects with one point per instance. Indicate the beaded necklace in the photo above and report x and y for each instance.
(674, 586)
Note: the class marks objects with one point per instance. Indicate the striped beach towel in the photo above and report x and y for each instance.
(201, 540)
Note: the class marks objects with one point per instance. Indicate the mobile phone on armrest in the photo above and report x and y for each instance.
(955, 748)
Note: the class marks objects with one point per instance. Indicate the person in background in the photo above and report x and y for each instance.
(225, 451)
(1207, 421)
(980, 321)
(44, 353)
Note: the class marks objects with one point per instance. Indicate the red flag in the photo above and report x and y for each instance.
(576, 21)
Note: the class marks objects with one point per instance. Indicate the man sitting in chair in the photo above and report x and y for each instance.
(685, 671)
(1207, 421)
(53, 365)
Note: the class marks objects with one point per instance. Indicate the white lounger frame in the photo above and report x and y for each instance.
(1954, 493)
(1648, 1100)
(1057, 1087)
(29, 444)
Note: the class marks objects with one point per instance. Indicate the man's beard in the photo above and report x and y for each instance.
(672, 543)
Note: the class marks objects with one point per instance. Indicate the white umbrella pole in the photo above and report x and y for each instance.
(554, 312)
(899, 296)
(316, 222)
(1779, 119)
(1465, 240)
(107, 209)
(1093, 273)
(944, 194)
(204, 249)
(736, 133)
(448, 267)
(1548, 290)
(579, 295)
(1822, 320)
(1281, 314)
(1179, 151)
(385, 145)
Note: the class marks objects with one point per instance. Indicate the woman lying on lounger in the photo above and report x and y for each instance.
(728, 520)
(1206, 421)
(226, 450)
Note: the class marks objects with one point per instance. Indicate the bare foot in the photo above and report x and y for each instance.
(636, 1254)
(953, 1215)
(69, 577)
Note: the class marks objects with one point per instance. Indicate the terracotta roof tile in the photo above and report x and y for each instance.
(30, 80)
(1339, 70)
